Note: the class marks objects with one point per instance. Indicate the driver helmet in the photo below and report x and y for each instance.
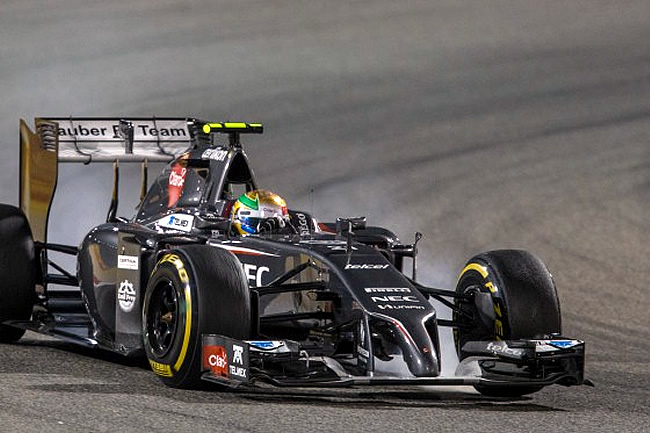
(254, 207)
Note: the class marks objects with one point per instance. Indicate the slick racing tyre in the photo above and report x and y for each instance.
(193, 290)
(17, 271)
(508, 295)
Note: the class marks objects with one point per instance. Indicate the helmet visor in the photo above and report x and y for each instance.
(250, 224)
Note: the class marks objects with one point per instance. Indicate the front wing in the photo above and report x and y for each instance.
(285, 363)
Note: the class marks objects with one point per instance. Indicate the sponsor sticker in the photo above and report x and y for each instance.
(176, 183)
(215, 154)
(254, 273)
(385, 301)
(237, 367)
(215, 359)
(365, 266)
(267, 345)
(400, 307)
(177, 221)
(387, 290)
(303, 225)
(502, 347)
(395, 298)
(126, 296)
(109, 130)
(128, 262)
(225, 357)
(563, 344)
(555, 345)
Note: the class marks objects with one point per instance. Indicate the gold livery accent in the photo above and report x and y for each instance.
(38, 174)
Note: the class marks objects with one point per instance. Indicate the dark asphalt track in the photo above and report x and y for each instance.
(483, 124)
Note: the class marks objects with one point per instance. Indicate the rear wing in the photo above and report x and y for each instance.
(102, 139)
(86, 139)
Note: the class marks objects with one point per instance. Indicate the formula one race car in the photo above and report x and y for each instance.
(313, 304)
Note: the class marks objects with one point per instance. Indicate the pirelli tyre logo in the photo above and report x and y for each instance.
(225, 358)
(160, 369)
(178, 263)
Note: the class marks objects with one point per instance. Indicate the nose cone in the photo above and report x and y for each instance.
(420, 353)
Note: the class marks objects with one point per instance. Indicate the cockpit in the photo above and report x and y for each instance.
(200, 179)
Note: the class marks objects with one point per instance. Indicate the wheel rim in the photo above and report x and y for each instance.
(162, 318)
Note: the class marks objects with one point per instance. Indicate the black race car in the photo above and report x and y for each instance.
(314, 304)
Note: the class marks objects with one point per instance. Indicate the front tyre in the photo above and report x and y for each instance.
(193, 290)
(17, 271)
(507, 295)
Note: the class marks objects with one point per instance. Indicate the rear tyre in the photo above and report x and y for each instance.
(511, 295)
(17, 270)
(193, 290)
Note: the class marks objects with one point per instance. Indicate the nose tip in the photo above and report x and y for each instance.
(423, 363)
(420, 354)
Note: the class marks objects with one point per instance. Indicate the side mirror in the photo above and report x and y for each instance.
(344, 225)
(218, 223)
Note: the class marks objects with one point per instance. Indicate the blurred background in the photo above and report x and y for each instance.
(482, 124)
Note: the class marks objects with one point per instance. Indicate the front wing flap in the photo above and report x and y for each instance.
(517, 362)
